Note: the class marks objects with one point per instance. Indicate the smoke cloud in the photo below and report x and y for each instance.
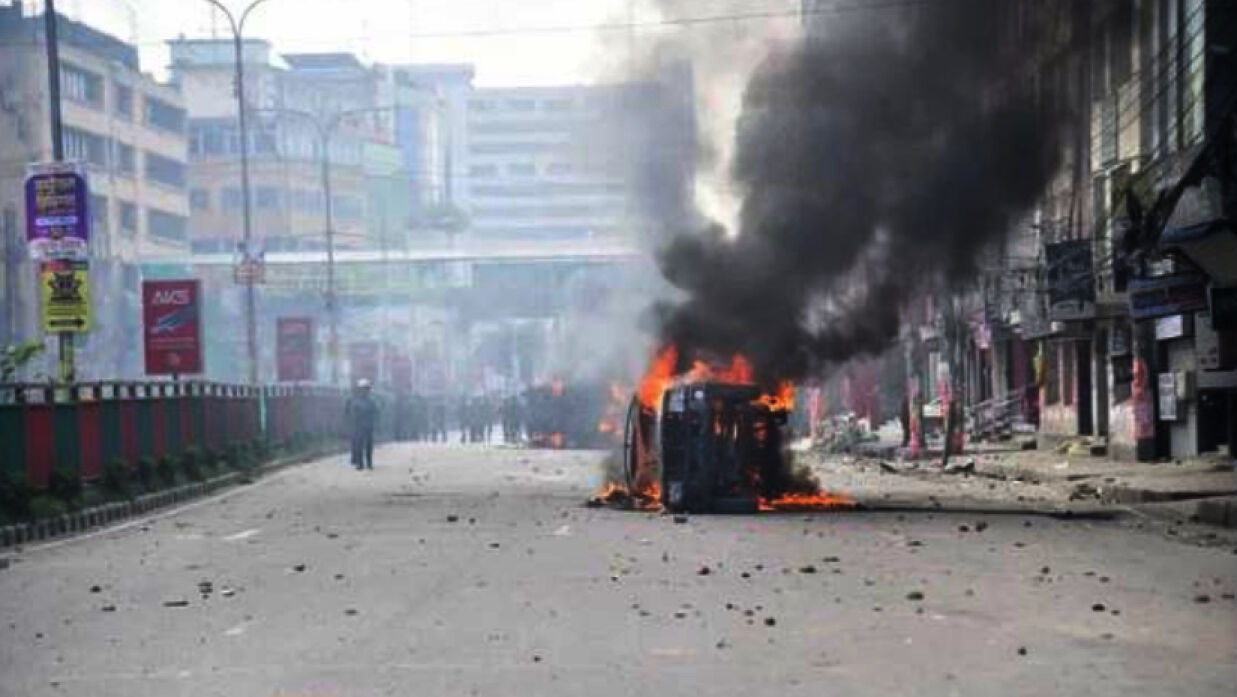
(872, 160)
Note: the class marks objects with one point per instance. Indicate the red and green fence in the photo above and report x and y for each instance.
(77, 430)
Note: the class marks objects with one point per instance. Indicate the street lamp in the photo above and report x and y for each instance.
(251, 329)
(325, 129)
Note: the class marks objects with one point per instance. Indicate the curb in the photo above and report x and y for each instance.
(107, 513)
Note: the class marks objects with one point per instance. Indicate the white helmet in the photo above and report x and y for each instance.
(363, 383)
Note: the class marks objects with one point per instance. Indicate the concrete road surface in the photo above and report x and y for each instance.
(455, 570)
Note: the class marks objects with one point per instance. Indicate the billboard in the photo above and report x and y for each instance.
(294, 349)
(66, 295)
(1071, 280)
(172, 333)
(57, 210)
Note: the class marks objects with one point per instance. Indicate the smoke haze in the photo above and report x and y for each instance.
(873, 159)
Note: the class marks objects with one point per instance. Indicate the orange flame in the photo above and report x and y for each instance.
(659, 376)
(807, 502)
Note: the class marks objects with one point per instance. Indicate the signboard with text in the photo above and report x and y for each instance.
(66, 295)
(171, 328)
(294, 349)
(363, 357)
(57, 210)
(1071, 280)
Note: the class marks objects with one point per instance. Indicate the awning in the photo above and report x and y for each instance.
(1211, 245)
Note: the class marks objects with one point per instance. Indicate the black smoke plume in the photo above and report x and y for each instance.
(874, 159)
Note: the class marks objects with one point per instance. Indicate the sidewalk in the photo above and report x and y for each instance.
(1208, 484)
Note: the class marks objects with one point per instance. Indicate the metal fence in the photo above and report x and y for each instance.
(75, 430)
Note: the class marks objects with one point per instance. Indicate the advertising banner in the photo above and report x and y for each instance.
(57, 210)
(294, 349)
(172, 331)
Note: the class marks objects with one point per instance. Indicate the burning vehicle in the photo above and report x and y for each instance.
(579, 415)
(710, 440)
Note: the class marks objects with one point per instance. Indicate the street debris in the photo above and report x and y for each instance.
(809, 569)
(176, 602)
(1202, 598)
(108, 608)
(914, 595)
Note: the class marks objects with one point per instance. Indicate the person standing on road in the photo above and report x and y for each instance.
(362, 412)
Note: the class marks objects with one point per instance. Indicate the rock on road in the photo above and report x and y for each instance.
(454, 570)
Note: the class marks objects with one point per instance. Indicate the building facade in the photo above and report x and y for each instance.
(129, 131)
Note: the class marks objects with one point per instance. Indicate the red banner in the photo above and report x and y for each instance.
(172, 330)
(363, 355)
(294, 349)
(399, 371)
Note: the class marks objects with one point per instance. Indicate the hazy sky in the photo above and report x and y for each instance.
(420, 30)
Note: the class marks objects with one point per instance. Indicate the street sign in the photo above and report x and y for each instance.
(294, 348)
(57, 210)
(1071, 280)
(66, 295)
(171, 327)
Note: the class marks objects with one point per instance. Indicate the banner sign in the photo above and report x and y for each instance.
(57, 210)
(294, 349)
(363, 356)
(66, 295)
(1167, 295)
(171, 328)
(1071, 281)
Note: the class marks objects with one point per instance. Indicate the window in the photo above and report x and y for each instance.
(168, 227)
(123, 156)
(128, 218)
(199, 199)
(480, 105)
(556, 105)
(269, 198)
(558, 168)
(85, 146)
(482, 171)
(124, 101)
(81, 85)
(98, 214)
(522, 169)
(347, 207)
(165, 171)
(521, 104)
(308, 202)
(514, 148)
(160, 114)
(232, 198)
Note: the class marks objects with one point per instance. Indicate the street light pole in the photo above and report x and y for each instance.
(64, 339)
(251, 303)
(325, 130)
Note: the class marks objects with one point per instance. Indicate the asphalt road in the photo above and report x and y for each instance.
(455, 570)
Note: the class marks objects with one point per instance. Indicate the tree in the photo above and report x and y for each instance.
(16, 356)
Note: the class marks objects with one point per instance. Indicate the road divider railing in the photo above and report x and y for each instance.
(66, 448)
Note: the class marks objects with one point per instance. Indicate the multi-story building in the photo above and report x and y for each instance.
(129, 131)
(554, 163)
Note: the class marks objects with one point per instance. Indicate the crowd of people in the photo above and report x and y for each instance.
(429, 419)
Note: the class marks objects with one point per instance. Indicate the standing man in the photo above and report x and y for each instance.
(362, 410)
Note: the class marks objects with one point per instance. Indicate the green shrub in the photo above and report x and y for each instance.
(117, 479)
(165, 470)
(191, 465)
(65, 486)
(45, 506)
(146, 475)
(15, 496)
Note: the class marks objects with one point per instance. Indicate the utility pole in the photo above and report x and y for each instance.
(325, 130)
(64, 339)
(247, 255)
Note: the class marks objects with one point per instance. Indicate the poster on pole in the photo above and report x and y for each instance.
(171, 328)
(57, 210)
(363, 357)
(66, 295)
(294, 349)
